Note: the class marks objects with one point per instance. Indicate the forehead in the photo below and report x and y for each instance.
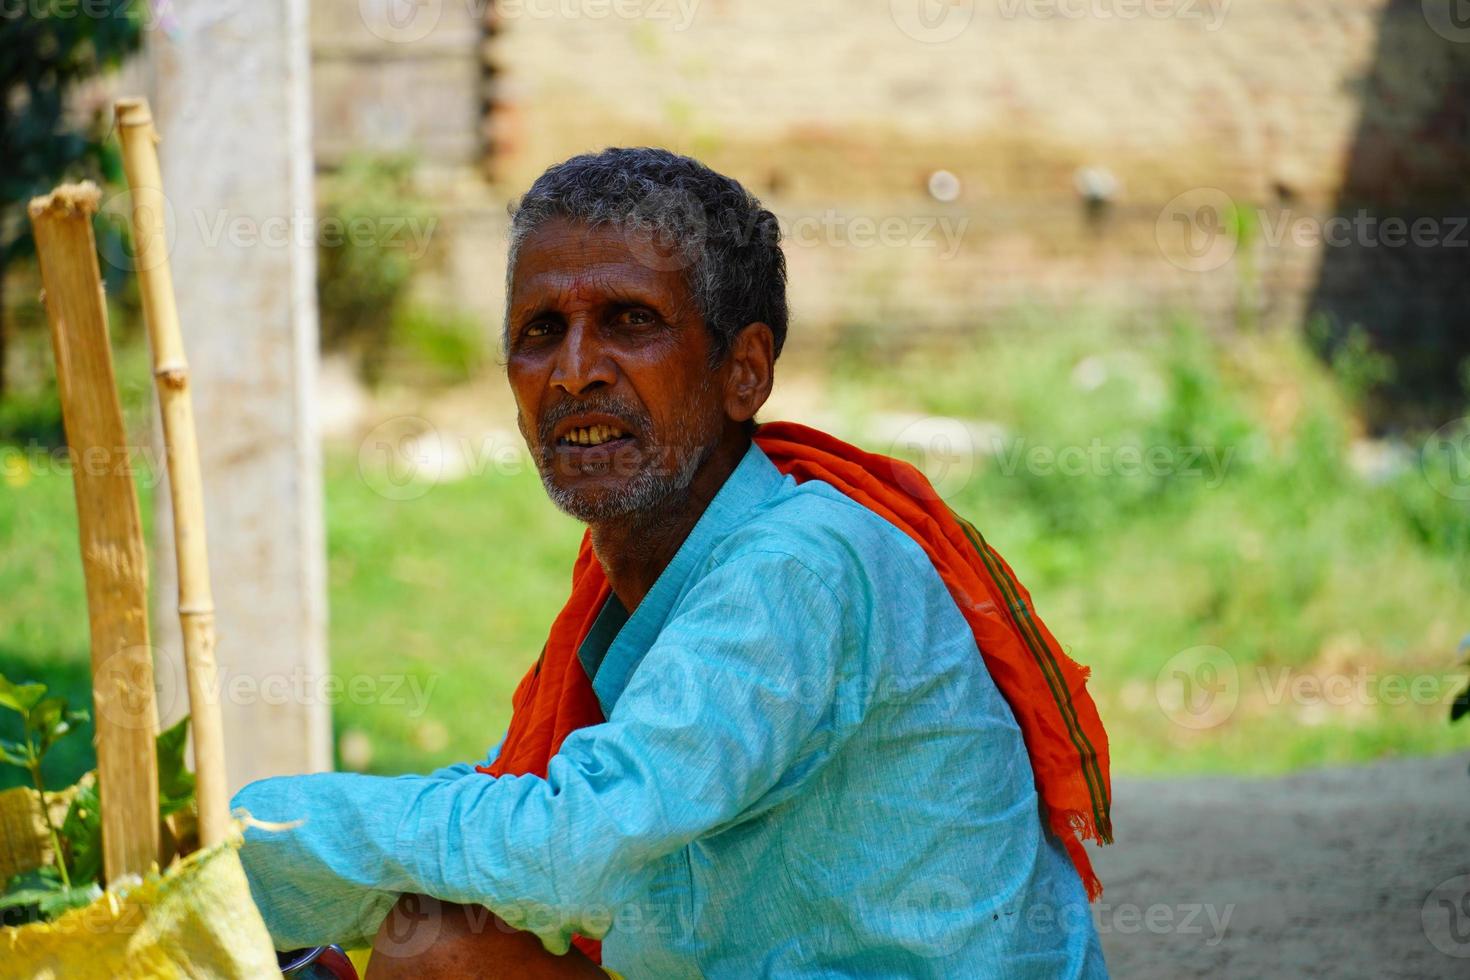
(571, 260)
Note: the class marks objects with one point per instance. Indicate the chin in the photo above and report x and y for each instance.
(598, 501)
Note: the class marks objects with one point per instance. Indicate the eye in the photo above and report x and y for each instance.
(539, 328)
(637, 317)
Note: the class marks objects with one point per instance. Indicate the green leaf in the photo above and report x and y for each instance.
(45, 895)
(81, 833)
(175, 781)
(20, 697)
(16, 753)
(21, 897)
(29, 887)
(48, 721)
(66, 899)
(36, 878)
(43, 891)
(81, 829)
(47, 713)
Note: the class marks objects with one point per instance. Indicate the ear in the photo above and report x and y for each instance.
(748, 371)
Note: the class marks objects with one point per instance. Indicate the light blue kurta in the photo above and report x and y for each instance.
(806, 771)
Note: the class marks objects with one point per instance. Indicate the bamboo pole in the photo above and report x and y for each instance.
(114, 561)
(171, 377)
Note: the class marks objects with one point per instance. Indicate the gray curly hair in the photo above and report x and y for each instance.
(678, 214)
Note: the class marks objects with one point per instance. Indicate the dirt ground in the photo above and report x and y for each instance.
(1361, 872)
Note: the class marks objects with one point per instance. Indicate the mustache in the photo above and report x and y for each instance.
(634, 418)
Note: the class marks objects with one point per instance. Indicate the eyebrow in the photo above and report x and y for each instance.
(536, 307)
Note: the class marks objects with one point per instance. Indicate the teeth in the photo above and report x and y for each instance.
(592, 435)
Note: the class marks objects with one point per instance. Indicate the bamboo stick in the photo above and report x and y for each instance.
(171, 376)
(114, 561)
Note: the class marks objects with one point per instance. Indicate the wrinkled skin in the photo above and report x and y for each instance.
(591, 328)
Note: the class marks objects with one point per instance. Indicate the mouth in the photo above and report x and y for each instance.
(592, 435)
(603, 433)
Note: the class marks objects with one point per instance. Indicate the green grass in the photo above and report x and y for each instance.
(1288, 562)
(458, 588)
(1291, 564)
(43, 621)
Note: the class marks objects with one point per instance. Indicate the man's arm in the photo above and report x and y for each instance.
(349, 913)
(718, 711)
(456, 769)
(426, 939)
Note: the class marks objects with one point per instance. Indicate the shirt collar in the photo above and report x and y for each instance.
(754, 479)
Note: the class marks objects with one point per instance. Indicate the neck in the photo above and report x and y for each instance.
(635, 550)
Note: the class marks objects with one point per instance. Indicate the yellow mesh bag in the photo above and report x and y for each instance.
(24, 843)
(195, 920)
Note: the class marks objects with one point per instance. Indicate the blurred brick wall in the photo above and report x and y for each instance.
(381, 85)
(837, 111)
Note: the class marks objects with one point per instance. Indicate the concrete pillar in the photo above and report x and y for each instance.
(231, 95)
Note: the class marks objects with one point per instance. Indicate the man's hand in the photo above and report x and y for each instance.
(426, 939)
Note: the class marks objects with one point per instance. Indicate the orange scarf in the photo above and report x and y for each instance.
(1045, 688)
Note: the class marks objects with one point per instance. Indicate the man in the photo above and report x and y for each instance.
(765, 738)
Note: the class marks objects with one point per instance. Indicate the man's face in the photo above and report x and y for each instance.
(609, 362)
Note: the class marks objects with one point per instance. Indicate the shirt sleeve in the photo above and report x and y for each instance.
(456, 769)
(726, 702)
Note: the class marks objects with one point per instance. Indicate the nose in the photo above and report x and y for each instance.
(582, 364)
